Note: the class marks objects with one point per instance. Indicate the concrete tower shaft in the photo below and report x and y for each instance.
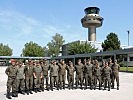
(92, 20)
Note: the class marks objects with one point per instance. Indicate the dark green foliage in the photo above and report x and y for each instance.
(111, 43)
(80, 48)
(5, 50)
(55, 45)
(32, 49)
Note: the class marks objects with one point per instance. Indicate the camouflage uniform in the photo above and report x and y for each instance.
(11, 72)
(106, 73)
(88, 75)
(115, 74)
(37, 71)
(79, 74)
(97, 76)
(62, 75)
(45, 68)
(70, 75)
(29, 77)
(54, 75)
(20, 79)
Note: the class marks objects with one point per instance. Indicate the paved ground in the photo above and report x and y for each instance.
(125, 92)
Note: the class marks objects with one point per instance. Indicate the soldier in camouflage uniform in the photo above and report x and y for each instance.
(115, 74)
(70, 74)
(84, 71)
(62, 73)
(38, 75)
(45, 68)
(106, 73)
(102, 76)
(54, 69)
(110, 65)
(29, 77)
(20, 78)
(88, 75)
(79, 68)
(11, 72)
(97, 75)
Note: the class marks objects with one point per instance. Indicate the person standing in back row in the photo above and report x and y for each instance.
(45, 67)
(79, 68)
(54, 69)
(115, 74)
(38, 75)
(29, 76)
(70, 74)
(20, 78)
(62, 74)
(88, 75)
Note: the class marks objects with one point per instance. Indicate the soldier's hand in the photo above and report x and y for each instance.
(41, 77)
(34, 76)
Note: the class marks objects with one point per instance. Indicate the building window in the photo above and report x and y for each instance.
(131, 58)
(125, 59)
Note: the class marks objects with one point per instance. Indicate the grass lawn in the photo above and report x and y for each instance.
(124, 69)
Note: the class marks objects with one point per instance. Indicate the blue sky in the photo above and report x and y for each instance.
(22, 21)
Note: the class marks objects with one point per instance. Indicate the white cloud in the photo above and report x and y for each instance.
(17, 29)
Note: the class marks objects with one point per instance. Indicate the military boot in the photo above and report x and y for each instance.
(22, 92)
(30, 91)
(8, 95)
(35, 90)
(38, 90)
(14, 94)
(27, 92)
(117, 87)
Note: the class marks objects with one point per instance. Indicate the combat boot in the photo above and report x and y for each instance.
(27, 92)
(117, 87)
(42, 89)
(14, 94)
(35, 90)
(30, 92)
(22, 92)
(8, 95)
(38, 90)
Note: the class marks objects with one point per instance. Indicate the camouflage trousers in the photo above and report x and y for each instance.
(45, 77)
(20, 84)
(37, 82)
(62, 79)
(29, 82)
(11, 84)
(115, 76)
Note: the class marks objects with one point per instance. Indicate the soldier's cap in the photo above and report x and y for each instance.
(53, 61)
(45, 59)
(88, 60)
(13, 60)
(79, 59)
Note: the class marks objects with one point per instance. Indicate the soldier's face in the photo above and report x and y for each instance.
(106, 64)
(13, 63)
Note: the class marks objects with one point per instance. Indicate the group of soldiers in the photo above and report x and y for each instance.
(31, 75)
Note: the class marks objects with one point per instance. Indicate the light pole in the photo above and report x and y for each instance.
(128, 36)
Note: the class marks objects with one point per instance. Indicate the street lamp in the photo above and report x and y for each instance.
(128, 36)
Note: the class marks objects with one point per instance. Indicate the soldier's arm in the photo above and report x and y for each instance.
(7, 71)
(34, 74)
(118, 67)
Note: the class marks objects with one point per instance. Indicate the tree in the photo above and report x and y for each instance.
(5, 50)
(80, 48)
(111, 43)
(55, 45)
(32, 49)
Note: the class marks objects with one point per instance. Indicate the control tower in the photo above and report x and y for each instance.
(92, 20)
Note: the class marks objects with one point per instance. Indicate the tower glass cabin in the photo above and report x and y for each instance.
(92, 10)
